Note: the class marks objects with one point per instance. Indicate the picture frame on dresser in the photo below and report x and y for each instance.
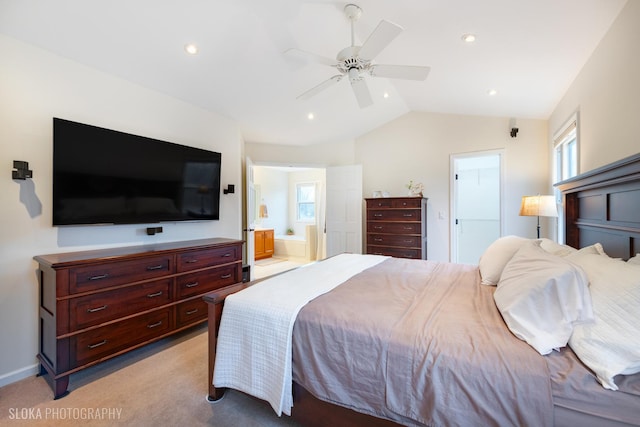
(98, 304)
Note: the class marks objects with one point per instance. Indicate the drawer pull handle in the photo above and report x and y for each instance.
(378, 227)
(408, 228)
(228, 254)
(378, 239)
(191, 285)
(378, 253)
(101, 276)
(154, 325)
(155, 267)
(408, 241)
(157, 294)
(190, 312)
(377, 215)
(96, 345)
(191, 261)
(93, 310)
(408, 215)
(225, 276)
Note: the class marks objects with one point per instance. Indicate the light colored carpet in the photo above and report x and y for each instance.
(162, 384)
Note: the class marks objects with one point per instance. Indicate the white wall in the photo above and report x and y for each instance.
(606, 93)
(274, 191)
(418, 145)
(36, 86)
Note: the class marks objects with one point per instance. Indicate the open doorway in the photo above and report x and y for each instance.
(289, 217)
(476, 204)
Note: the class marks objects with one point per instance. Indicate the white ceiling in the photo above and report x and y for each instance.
(528, 50)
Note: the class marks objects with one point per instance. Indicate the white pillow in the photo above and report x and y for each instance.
(496, 256)
(611, 345)
(542, 297)
(556, 248)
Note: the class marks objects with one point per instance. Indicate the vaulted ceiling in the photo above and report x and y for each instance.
(529, 52)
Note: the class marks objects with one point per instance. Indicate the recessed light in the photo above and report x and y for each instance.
(191, 49)
(492, 92)
(468, 38)
(310, 116)
(386, 95)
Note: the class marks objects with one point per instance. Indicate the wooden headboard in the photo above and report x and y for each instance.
(603, 205)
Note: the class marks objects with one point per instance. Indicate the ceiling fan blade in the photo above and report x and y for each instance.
(361, 91)
(384, 33)
(308, 56)
(407, 72)
(322, 86)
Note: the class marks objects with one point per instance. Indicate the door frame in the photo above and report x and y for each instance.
(453, 188)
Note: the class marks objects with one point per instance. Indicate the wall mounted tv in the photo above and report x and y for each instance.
(103, 176)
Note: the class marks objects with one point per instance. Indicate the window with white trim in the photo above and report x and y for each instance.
(306, 202)
(565, 144)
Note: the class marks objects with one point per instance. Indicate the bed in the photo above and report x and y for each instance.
(412, 342)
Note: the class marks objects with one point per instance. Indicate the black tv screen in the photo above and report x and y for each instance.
(103, 176)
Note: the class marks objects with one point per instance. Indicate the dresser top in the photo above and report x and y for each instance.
(65, 259)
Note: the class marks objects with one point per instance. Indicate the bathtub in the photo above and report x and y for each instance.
(296, 247)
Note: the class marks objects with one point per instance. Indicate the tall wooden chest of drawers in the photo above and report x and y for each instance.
(397, 226)
(98, 304)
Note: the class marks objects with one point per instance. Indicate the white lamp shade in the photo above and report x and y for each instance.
(538, 206)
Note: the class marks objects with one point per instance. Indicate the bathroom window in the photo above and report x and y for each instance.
(306, 202)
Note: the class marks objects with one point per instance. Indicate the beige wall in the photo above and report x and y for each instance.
(418, 147)
(36, 86)
(606, 93)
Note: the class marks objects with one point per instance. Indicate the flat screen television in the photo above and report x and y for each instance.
(103, 176)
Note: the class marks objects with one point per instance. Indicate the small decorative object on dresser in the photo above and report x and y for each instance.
(415, 189)
(95, 305)
(397, 226)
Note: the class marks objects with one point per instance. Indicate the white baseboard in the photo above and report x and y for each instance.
(19, 374)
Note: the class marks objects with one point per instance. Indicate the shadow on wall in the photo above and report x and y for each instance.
(29, 198)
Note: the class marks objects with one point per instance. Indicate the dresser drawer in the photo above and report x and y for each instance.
(104, 306)
(95, 277)
(382, 203)
(394, 240)
(394, 227)
(194, 260)
(191, 311)
(206, 281)
(393, 215)
(394, 252)
(104, 341)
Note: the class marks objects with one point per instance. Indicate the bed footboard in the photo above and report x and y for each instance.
(215, 303)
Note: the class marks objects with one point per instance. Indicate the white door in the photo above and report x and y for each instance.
(251, 217)
(344, 210)
(476, 204)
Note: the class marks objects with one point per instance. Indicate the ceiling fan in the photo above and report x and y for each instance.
(355, 62)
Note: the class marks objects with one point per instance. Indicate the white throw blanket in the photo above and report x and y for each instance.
(254, 342)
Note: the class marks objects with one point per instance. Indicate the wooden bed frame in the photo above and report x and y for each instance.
(602, 206)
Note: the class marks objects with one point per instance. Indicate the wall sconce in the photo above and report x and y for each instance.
(538, 206)
(21, 170)
(230, 189)
(513, 128)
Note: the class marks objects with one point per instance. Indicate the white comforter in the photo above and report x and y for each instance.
(254, 343)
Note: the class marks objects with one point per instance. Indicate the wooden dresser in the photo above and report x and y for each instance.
(98, 304)
(397, 226)
(264, 243)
